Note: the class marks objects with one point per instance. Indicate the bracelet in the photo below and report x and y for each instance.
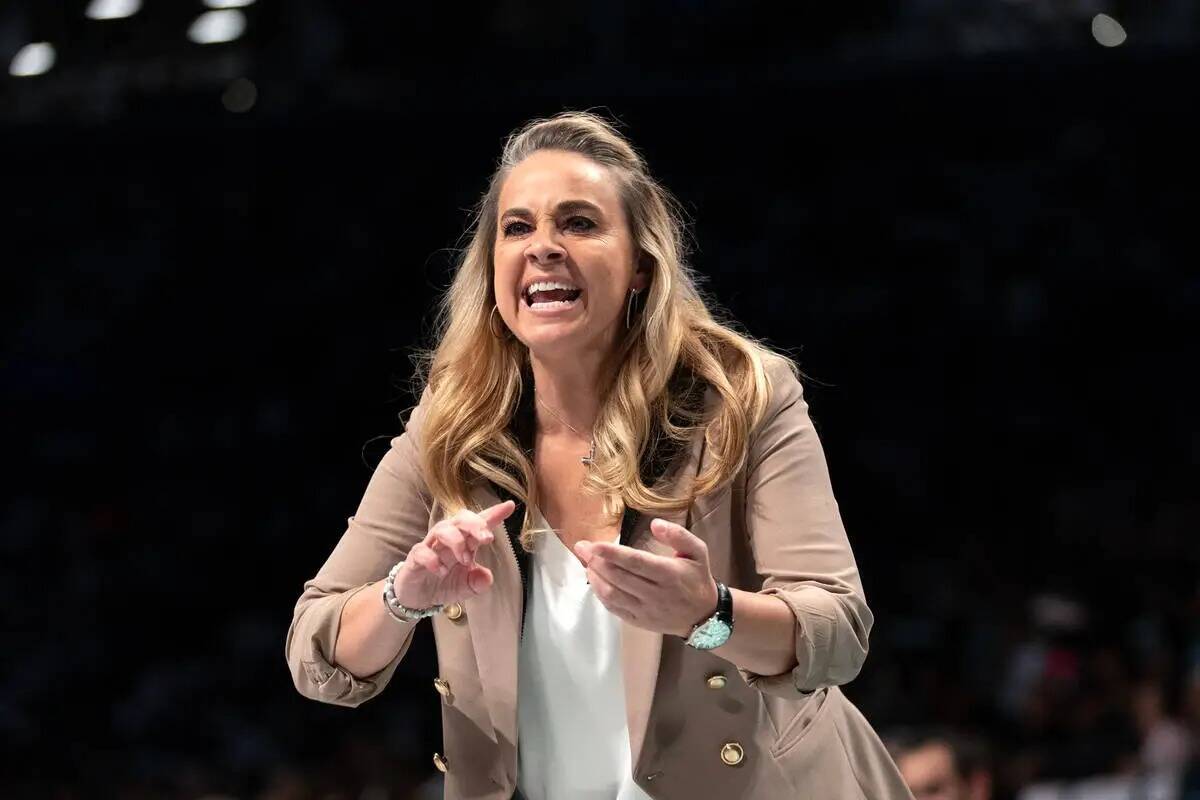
(399, 611)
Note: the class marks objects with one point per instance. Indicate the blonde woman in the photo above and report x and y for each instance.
(616, 512)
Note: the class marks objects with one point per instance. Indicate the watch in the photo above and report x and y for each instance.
(714, 631)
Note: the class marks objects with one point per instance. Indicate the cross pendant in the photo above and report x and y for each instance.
(590, 458)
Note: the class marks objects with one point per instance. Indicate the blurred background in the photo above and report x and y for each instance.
(226, 224)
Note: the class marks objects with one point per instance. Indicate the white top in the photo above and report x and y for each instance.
(572, 738)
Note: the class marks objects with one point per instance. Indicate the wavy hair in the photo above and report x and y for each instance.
(475, 378)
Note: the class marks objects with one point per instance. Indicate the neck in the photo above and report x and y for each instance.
(570, 385)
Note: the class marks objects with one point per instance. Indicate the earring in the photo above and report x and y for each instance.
(633, 293)
(492, 327)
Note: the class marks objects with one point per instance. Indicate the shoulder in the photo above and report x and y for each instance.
(405, 446)
(416, 414)
(784, 414)
(784, 389)
(778, 390)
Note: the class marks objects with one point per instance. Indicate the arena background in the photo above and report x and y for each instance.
(973, 224)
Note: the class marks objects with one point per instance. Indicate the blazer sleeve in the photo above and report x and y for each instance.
(392, 517)
(800, 546)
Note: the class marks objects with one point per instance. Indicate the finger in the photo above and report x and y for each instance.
(479, 579)
(494, 515)
(613, 597)
(467, 521)
(471, 544)
(477, 534)
(474, 531)
(450, 536)
(428, 560)
(654, 568)
(622, 578)
(686, 543)
(434, 541)
(445, 554)
(631, 617)
(583, 549)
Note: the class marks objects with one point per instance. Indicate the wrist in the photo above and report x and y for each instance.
(714, 631)
(711, 605)
(400, 611)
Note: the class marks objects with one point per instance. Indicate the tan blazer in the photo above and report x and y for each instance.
(698, 726)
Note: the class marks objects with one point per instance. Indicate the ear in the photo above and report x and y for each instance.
(643, 272)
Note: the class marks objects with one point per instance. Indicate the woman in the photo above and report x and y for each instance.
(617, 504)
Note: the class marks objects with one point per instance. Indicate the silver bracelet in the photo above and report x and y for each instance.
(400, 612)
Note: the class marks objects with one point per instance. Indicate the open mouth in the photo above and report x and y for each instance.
(550, 294)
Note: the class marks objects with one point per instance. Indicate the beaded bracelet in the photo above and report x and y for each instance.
(400, 612)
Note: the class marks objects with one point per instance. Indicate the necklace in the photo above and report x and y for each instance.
(590, 458)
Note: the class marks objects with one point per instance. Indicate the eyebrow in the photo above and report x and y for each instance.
(564, 207)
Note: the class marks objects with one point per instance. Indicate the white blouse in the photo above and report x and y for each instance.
(572, 738)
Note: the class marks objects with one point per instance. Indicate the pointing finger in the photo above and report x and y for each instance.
(494, 515)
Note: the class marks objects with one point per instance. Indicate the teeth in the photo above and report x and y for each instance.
(549, 303)
(545, 286)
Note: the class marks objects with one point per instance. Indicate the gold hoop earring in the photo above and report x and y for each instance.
(491, 327)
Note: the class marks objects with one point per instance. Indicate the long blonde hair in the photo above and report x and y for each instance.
(475, 377)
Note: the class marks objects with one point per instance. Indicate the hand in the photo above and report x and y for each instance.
(441, 568)
(665, 594)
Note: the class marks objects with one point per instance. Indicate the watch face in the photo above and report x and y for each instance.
(713, 633)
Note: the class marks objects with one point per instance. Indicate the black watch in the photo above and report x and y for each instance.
(714, 631)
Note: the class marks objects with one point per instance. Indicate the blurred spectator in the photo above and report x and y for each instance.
(1166, 743)
(941, 764)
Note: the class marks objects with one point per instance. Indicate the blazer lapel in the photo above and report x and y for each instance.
(495, 623)
(641, 650)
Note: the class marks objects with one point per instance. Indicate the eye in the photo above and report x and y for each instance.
(512, 228)
(580, 224)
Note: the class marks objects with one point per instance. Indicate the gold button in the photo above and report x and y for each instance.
(716, 681)
(443, 688)
(440, 762)
(454, 611)
(732, 754)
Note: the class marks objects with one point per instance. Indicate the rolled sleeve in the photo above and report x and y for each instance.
(313, 671)
(392, 517)
(801, 549)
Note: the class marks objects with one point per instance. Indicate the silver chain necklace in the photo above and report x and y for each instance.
(590, 458)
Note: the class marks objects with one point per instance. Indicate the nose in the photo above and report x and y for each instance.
(543, 246)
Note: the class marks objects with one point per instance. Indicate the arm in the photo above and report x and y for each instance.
(800, 547)
(764, 634)
(344, 599)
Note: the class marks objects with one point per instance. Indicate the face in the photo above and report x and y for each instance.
(565, 257)
(930, 774)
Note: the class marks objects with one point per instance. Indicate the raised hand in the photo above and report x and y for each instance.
(441, 568)
(665, 594)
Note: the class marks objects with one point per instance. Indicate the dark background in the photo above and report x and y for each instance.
(972, 224)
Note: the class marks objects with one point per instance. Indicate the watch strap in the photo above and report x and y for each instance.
(723, 611)
(724, 604)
